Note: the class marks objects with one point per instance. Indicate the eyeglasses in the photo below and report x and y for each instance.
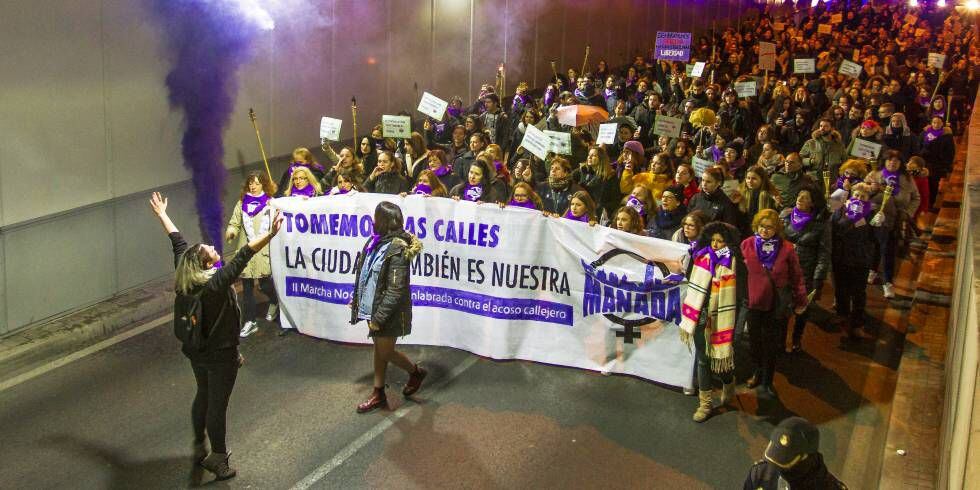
(766, 227)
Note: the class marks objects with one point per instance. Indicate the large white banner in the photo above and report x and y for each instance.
(502, 283)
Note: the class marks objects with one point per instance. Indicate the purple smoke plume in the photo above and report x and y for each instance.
(207, 41)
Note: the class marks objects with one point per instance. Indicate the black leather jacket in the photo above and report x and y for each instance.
(393, 298)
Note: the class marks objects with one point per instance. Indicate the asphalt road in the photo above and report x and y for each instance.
(120, 418)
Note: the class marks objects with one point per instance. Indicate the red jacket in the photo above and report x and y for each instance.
(786, 272)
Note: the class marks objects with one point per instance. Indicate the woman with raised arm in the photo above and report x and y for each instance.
(382, 296)
(214, 357)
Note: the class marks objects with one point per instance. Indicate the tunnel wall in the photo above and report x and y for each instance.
(88, 132)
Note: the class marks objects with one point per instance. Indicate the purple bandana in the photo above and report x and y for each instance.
(423, 189)
(798, 219)
(717, 153)
(767, 250)
(636, 204)
(454, 111)
(526, 204)
(580, 94)
(341, 190)
(857, 209)
(693, 248)
(609, 93)
(549, 97)
(253, 205)
(931, 134)
(720, 257)
(473, 192)
(891, 178)
(568, 215)
(307, 191)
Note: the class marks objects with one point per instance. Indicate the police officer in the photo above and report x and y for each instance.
(792, 460)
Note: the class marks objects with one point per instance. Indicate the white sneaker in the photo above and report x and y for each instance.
(872, 277)
(889, 292)
(272, 313)
(248, 329)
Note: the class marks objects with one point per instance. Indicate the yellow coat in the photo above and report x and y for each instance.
(656, 183)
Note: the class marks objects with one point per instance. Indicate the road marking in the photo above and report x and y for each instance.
(92, 349)
(351, 449)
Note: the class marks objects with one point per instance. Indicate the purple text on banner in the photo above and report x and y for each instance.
(675, 46)
(439, 297)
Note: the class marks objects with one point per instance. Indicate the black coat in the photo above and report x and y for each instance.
(392, 308)
(938, 154)
(809, 474)
(851, 246)
(462, 163)
(556, 201)
(605, 192)
(387, 183)
(715, 206)
(218, 296)
(813, 246)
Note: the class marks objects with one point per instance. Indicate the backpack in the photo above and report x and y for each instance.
(188, 318)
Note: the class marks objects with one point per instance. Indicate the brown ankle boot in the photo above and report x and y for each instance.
(704, 406)
(414, 381)
(377, 399)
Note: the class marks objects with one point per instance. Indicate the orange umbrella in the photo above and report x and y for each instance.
(580, 115)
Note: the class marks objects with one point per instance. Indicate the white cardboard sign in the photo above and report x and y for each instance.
(804, 65)
(767, 56)
(396, 126)
(536, 142)
(432, 106)
(667, 126)
(330, 128)
(698, 69)
(607, 134)
(745, 89)
(865, 149)
(824, 29)
(561, 142)
(700, 165)
(851, 69)
(937, 60)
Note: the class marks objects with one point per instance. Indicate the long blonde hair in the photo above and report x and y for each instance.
(310, 180)
(192, 270)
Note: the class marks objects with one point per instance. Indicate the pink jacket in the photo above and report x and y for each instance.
(786, 272)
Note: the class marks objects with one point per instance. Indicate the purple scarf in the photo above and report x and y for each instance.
(442, 170)
(767, 250)
(549, 97)
(308, 191)
(720, 257)
(636, 204)
(857, 209)
(423, 189)
(568, 215)
(798, 219)
(930, 134)
(692, 248)
(529, 204)
(520, 101)
(609, 94)
(580, 94)
(253, 205)
(454, 111)
(472, 192)
(375, 238)
(717, 153)
(341, 191)
(853, 180)
(891, 178)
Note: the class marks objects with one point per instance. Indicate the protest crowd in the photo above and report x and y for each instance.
(793, 148)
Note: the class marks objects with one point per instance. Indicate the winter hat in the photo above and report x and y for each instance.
(869, 124)
(634, 145)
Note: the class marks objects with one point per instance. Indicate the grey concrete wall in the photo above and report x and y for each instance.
(88, 132)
